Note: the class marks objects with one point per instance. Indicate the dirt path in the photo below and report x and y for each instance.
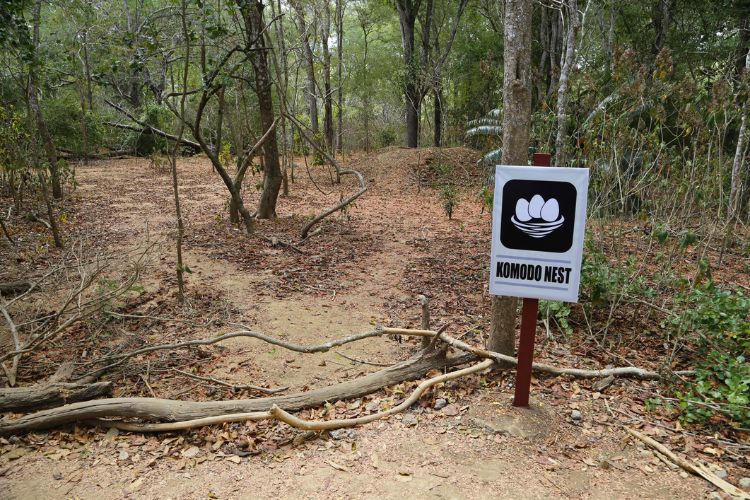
(366, 267)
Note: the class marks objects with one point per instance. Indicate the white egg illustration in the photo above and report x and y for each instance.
(522, 210)
(535, 206)
(550, 210)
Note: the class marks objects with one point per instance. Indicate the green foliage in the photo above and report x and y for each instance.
(64, 116)
(386, 137)
(14, 140)
(557, 312)
(717, 323)
(449, 195)
(603, 283)
(148, 143)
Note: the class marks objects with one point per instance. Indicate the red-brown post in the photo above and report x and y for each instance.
(528, 327)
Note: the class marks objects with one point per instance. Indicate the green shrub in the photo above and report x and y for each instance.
(64, 116)
(147, 143)
(386, 137)
(717, 323)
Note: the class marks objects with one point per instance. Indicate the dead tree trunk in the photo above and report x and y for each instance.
(516, 125)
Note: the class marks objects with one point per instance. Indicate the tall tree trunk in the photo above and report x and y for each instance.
(311, 89)
(516, 125)
(47, 141)
(327, 92)
(254, 25)
(735, 193)
(561, 141)
(407, 13)
(340, 82)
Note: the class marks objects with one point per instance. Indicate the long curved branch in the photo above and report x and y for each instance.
(343, 203)
(276, 413)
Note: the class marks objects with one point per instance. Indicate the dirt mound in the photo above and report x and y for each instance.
(396, 167)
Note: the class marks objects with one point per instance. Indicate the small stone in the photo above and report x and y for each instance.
(409, 420)
(191, 452)
(715, 496)
(339, 434)
(576, 415)
(440, 403)
(451, 410)
(123, 455)
(745, 483)
(721, 473)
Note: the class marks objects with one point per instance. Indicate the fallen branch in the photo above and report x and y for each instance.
(691, 467)
(277, 413)
(319, 425)
(627, 372)
(342, 204)
(193, 145)
(38, 397)
(174, 410)
(14, 287)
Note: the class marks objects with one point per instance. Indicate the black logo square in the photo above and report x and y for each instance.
(538, 215)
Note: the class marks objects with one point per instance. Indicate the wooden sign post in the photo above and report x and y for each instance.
(538, 223)
(529, 312)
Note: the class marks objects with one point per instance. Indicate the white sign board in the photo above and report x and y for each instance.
(538, 222)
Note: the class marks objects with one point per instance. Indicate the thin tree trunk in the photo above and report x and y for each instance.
(438, 118)
(328, 131)
(735, 193)
(310, 91)
(340, 54)
(516, 125)
(175, 149)
(561, 141)
(47, 141)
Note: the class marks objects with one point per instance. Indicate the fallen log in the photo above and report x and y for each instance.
(174, 411)
(38, 397)
(14, 287)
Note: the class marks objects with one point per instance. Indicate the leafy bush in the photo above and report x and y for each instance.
(717, 322)
(386, 137)
(148, 143)
(14, 140)
(603, 283)
(64, 118)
